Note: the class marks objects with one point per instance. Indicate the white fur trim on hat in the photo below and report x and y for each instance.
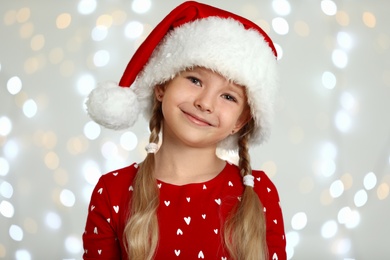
(222, 45)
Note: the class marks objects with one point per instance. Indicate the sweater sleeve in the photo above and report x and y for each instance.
(276, 239)
(100, 239)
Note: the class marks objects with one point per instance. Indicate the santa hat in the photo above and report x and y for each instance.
(193, 34)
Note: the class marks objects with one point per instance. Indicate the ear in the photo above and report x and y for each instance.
(159, 91)
(242, 120)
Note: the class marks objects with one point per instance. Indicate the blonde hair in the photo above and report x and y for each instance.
(141, 231)
(244, 230)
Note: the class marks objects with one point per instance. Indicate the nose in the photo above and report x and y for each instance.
(204, 102)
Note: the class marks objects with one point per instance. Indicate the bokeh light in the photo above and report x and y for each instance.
(328, 154)
(7, 209)
(329, 80)
(92, 130)
(16, 233)
(53, 220)
(5, 126)
(281, 7)
(329, 7)
(86, 6)
(370, 181)
(22, 254)
(299, 221)
(141, 6)
(67, 198)
(329, 229)
(280, 25)
(30, 108)
(14, 85)
(134, 29)
(339, 58)
(129, 141)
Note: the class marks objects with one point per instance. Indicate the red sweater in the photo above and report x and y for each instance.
(190, 216)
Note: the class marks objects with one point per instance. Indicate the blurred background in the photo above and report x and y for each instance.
(329, 154)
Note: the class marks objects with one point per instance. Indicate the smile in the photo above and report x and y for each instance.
(197, 120)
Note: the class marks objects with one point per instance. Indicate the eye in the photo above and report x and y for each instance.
(194, 80)
(229, 97)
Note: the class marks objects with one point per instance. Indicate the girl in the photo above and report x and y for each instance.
(206, 79)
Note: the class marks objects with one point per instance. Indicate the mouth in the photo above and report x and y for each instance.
(197, 120)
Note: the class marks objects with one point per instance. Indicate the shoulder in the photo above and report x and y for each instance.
(118, 181)
(265, 188)
(120, 175)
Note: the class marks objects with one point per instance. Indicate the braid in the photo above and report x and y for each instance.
(244, 234)
(141, 231)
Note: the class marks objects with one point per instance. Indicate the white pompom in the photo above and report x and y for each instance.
(113, 106)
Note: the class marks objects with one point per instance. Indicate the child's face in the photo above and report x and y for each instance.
(201, 107)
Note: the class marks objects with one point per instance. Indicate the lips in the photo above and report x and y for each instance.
(198, 120)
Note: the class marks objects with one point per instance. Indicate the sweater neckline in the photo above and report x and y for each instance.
(213, 181)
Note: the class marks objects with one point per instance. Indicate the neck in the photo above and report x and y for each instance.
(179, 164)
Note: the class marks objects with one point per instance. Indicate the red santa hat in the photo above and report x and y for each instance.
(193, 34)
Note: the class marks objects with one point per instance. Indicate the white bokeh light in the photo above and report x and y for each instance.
(85, 84)
(292, 238)
(129, 141)
(369, 181)
(5, 126)
(339, 58)
(280, 25)
(134, 29)
(141, 6)
(329, 229)
(329, 80)
(67, 198)
(73, 244)
(109, 150)
(53, 220)
(344, 40)
(99, 33)
(14, 85)
(4, 166)
(279, 50)
(6, 209)
(22, 254)
(86, 6)
(329, 151)
(328, 7)
(16, 232)
(91, 172)
(6, 189)
(87, 192)
(336, 189)
(343, 121)
(353, 219)
(348, 101)
(326, 167)
(350, 218)
(101, 58)
(299, 221)
(341, 246)
(343, 215)
(281, 7)
(30, 108)
(11, 149)
(360, 198)
(92, 130)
